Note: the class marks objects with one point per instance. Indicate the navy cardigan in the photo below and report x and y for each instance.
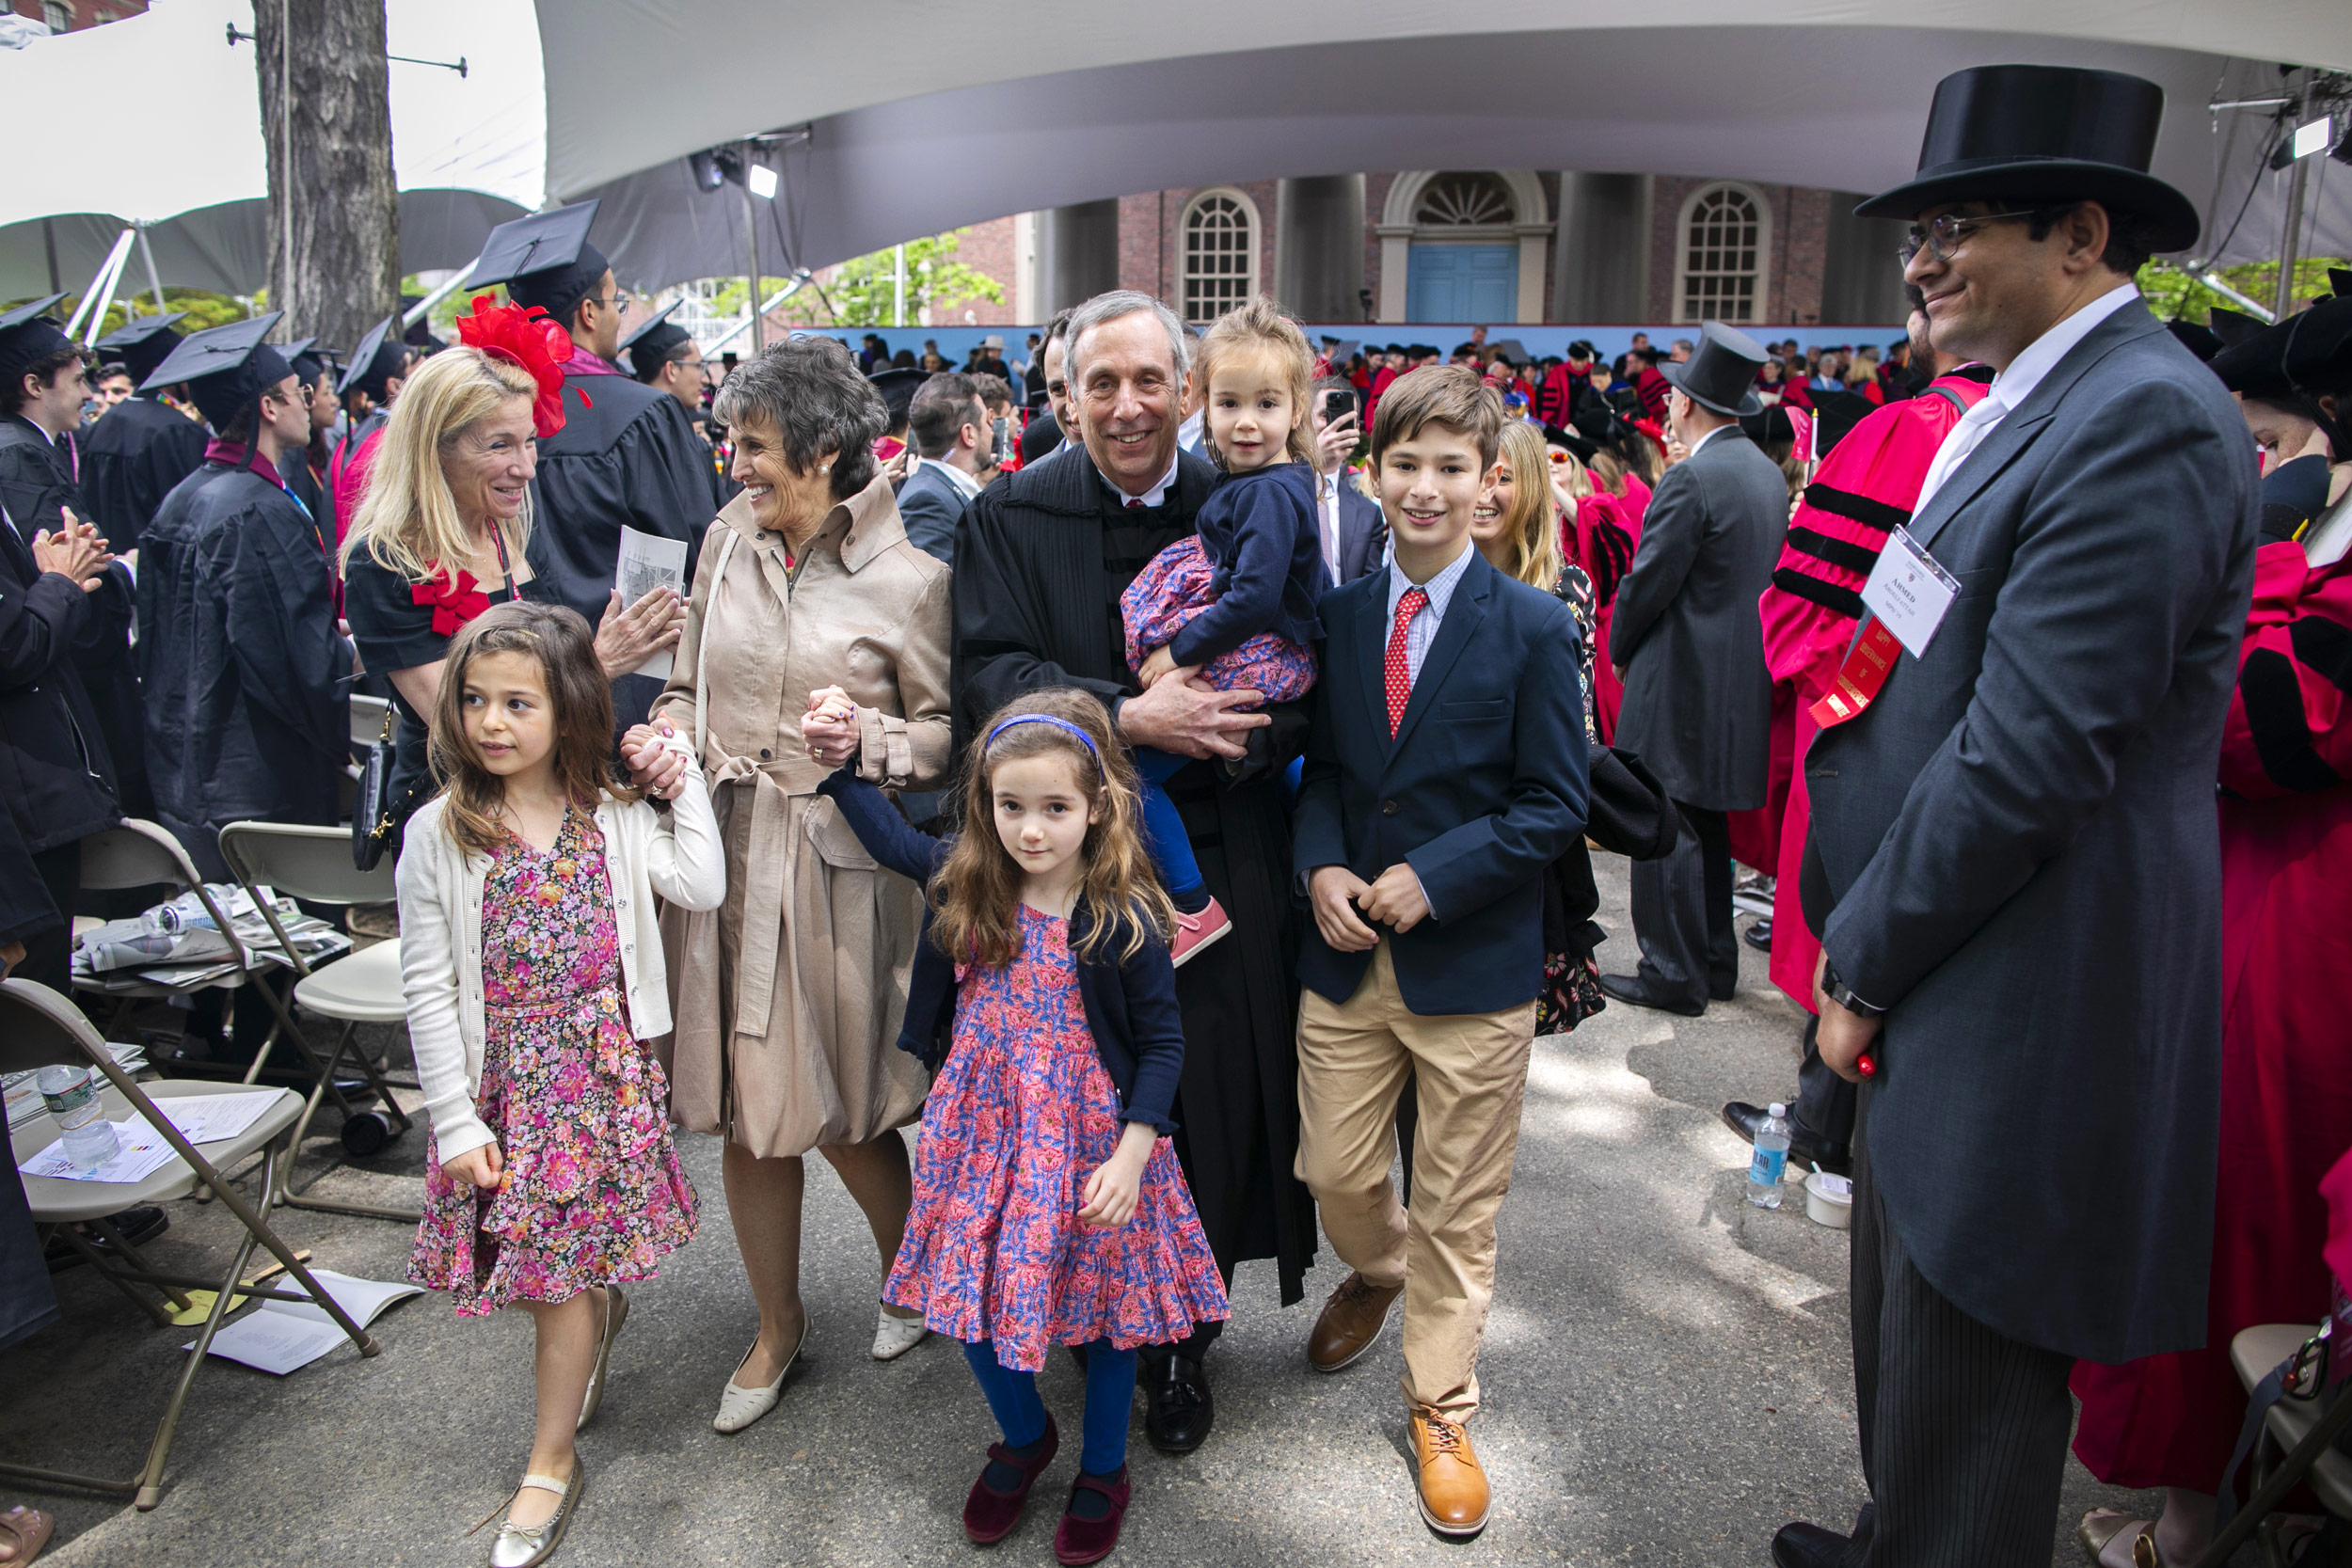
(1258, 531)
(1130, 1007)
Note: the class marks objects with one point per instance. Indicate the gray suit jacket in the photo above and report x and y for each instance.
(2020, 838)
(930, 505)
(1698, 698)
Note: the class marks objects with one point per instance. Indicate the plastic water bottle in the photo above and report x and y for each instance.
(1770, 1158)
(72, 1095)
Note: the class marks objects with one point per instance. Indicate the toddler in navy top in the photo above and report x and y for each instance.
(1235, 602)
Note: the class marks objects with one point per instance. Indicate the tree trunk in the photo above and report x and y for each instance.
(335, 258)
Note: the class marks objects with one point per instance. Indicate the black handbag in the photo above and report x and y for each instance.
(1629, 810)
(373, 823)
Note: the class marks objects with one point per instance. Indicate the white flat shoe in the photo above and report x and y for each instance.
(895, 1337)
(738, 1406)
(527, 1546)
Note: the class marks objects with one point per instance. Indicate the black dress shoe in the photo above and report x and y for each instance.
(1178, 1411)
(1629, 989)
(1837, 1159)
(1803, 1545)
(1759, 936)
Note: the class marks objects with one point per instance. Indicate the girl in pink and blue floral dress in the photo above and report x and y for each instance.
(1049, 1208)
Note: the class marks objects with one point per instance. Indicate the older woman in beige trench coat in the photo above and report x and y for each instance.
(787, 998)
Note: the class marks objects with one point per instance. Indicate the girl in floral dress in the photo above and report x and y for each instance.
(533, 971)
(1049, 1208)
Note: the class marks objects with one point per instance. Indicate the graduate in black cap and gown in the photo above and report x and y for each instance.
(627, 457)
(40, 414)
(664, 356)
(245, 673)
(146, 444)
(369, 383)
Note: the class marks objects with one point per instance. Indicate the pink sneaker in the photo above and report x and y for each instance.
(1196, 931)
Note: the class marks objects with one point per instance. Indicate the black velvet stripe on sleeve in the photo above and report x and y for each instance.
(1837, 552)
(2267, 686)
(1836, 600)
(1860, 508)
(2324, 647)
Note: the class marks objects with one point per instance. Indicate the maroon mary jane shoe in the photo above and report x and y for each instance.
(1090, 1540)
(989, 1514)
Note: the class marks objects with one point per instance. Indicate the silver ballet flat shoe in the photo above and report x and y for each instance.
(615, 1314)
(738, 1406)
(895, 1337)
(527, 1546)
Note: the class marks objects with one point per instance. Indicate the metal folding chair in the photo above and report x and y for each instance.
(138, 853)
(39, 1027)
(363, 986)
(2297, 1447)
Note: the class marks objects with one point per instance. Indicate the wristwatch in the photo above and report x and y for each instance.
(1836, 990)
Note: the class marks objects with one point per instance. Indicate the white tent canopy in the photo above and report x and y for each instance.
(970, 113)
(162, 119)
(973, 113)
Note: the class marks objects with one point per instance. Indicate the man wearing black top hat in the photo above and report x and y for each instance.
(665, 356)
(2013, 859)
(627, 457)
(245, 671)
(146, 444)
(1698, 699)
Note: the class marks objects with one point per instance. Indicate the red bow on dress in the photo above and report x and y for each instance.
(529, 338)
(455, 600)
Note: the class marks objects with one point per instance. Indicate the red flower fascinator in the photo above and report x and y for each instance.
(455, 598)
(527, 337)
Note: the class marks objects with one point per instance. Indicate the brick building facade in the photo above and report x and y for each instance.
(71, 16)
(1487, 246)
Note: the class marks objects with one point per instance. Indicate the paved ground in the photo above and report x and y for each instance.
(1665, 1378)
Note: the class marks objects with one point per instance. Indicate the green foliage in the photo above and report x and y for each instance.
(204, 309)
(443, 318)
(2174, 293)
(863, 292)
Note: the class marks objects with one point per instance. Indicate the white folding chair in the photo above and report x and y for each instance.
(39, 1027)
(363, 986)
(2297, 1447)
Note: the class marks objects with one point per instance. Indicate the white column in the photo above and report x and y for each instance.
(1396, 243)
(1532, 278)
(1024, 285)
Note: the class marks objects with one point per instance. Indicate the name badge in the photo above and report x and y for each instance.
(1909, 593)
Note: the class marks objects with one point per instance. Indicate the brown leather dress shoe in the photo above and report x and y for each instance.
(1453, 1493)
(1350, 1323)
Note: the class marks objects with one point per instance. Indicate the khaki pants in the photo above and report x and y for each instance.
(1471, 1072)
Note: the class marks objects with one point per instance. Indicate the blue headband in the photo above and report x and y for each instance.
(1045, 718)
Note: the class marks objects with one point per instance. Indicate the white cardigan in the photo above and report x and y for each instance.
(678, 857)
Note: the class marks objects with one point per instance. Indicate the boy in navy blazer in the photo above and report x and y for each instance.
(1445, 770)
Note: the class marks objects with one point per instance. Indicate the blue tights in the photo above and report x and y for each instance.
(1110, 1389)
(1164, 831)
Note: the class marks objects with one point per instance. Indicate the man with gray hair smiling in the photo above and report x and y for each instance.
(1040, 563)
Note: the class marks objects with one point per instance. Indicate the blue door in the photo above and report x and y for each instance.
(1472, 283)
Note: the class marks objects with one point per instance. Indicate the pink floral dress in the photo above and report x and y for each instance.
(1021, 1114)
(593, 1193)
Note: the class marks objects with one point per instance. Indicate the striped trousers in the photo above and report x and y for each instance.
(1964, 1430)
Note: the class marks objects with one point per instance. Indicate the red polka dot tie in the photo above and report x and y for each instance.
(1400, 673)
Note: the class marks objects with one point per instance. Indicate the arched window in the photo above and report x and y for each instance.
(1464, 201)
(1220, 254)
(1727, 235)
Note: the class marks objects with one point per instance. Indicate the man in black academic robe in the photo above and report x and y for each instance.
(40, 415)
(244, 670)
(145, 444)
(1040, 563)
(627, 457)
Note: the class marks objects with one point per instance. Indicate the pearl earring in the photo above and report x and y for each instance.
(826, 469)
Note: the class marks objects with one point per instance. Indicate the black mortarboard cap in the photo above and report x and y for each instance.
(377, 358)
(141, 344)
(2307, 354)
(226, 368)
(544, 259)
(1585, 450)
(2235, 326)
(897, 388)
(649, 342)
(1835, 415)
(29, 334)
(303, 354)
